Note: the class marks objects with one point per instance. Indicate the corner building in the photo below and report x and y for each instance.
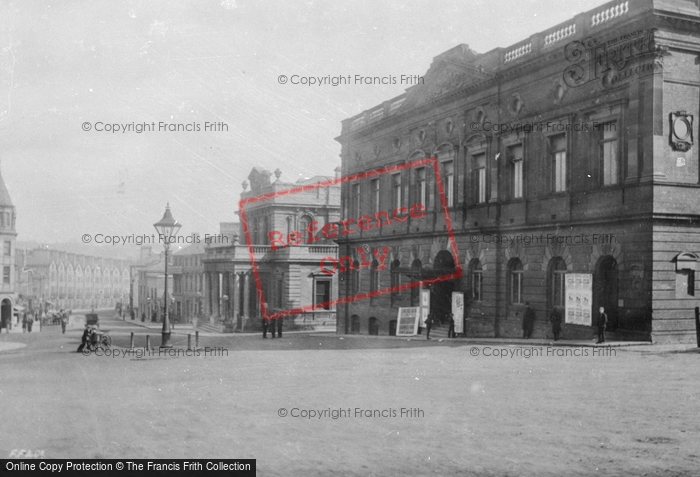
(573, 151)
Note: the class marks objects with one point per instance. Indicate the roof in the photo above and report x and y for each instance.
(5, 199)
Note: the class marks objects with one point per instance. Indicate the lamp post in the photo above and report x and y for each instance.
(167, 229)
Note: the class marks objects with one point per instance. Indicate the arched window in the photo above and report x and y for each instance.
(476, 279)
(515, 281)
(354, 324)
(557, 275)
(373, 328)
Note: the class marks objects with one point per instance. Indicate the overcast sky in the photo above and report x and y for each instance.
(64, 63)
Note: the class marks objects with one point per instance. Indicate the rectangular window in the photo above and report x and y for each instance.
(375, 195)
(323, 293)
(516, 287)
(480, 178)
(477, 285)
(609, 153)
(421, 187)
(396, 191)
(558, 289)
(557, 146)
(7, 248)
(516, 158)
(448, 182)
(6, 275)
(355, 200)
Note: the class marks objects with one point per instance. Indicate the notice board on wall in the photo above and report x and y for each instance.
(579, 299)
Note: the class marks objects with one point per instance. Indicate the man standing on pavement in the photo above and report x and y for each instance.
(428, 325)
(528, 321)
(264, 326)
(451, 329)
(280, 322)
(602, 323)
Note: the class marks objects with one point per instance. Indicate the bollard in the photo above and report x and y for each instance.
(131, 342)
(148, 341)
(189, 341)
(697, 324)
(196, 340)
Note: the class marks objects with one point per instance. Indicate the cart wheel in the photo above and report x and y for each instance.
(107, 341)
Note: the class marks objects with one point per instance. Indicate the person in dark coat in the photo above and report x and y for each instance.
(64, 322)
(280, 322)
(528, 321)
(272, 328)
(428, 325)
(30, 323)
(555, 319)
(264, 326)
(602, 323)
(85, 339)
(451, 329)
(24, 323)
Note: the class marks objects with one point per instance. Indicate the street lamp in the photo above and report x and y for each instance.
(167, 229)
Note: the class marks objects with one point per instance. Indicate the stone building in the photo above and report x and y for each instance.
(8, 295)
(569, 154)
(290, 277)
(58, 279)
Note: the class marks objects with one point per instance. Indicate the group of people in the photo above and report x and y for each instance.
(432, 320)
(271, 325)
(555, 319)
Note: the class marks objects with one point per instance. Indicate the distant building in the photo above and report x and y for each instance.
(568, 161)
(55, 279)
(188, 281)
(290, 277)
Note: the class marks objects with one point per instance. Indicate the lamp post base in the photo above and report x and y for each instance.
(165, 340)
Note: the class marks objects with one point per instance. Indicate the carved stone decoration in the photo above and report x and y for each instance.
(558, 91)
(515, 105)
(681, 135)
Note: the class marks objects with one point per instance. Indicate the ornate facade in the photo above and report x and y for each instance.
(290, 277)
(573, 151)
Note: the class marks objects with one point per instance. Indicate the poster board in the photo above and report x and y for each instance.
(458, 311)
(424, 306)
(579, 299)
(407, 321)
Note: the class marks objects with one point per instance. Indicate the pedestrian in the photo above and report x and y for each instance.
(280, 322)
(272, 328)
(528, 321)
(555, 319)
(143, 316)
(86, 337)
(602, 323)
(24, 323)
(64, 322)
(451, 329)
(428, 325)
(264, 326)
(30, 322)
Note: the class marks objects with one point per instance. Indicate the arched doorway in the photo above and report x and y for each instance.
(6, 314)
(605, 290)
(441, 292)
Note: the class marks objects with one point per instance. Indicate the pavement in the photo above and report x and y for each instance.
(506, 341)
